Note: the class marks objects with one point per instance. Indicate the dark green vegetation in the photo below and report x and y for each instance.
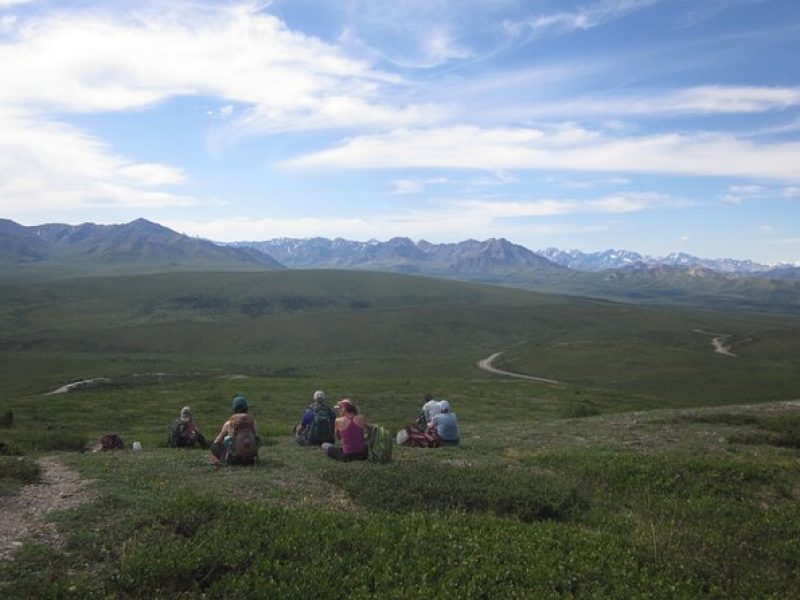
(556, 490)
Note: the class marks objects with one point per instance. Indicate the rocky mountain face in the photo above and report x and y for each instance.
(401, 254)
(138, 243)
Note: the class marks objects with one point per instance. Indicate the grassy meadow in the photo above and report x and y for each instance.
(659, 469)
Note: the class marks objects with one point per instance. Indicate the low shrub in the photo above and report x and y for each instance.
(16, 471)
(578, 410)
(516, 492)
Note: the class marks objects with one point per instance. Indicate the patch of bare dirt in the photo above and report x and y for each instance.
(23, 516)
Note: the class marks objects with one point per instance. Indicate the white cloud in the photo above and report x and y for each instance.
(707, 99)
(737, 194)
(587, 17)
(470, 147)
(95, 62)
(47, 166)
(615, 204)
(448, 221)
(416, 185)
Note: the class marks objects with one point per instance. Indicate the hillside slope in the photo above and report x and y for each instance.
(311, 323)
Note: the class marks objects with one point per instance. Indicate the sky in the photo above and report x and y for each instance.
(656, 126)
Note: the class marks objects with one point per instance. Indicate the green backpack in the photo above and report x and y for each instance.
(380, 444)
(321, 429)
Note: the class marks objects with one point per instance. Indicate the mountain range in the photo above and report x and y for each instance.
(620, 259)
(613, 274)
(492, 256)
(135, 247)
(58, 250)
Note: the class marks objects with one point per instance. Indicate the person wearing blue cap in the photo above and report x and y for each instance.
(237, 442)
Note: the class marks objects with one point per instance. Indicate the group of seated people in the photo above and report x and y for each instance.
(321, 427)
(436, 426)
(237, 441)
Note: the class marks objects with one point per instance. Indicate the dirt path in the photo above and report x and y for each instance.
(23, 515)
(718, 341)
(486, 365)
(65, 389)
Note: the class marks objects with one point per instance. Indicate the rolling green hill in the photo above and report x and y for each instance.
(556, 490)
(315, 323)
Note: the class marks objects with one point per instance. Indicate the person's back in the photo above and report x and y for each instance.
(322, 425)
(184, 433)
(237, 442)
(446, 424)
(351, 432)
(350, 428)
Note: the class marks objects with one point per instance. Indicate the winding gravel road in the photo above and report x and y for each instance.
(486, 365)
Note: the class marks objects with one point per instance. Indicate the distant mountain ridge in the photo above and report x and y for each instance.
(138, 246)
(63, 251)
(493, 256)
(489, 256)
(614, 274)
(620, 259)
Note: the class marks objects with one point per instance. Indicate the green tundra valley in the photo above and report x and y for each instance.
(657, 466)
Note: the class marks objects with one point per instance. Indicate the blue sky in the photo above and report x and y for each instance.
(651, 125)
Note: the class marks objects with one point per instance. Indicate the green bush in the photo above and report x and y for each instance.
(16, 471)
(405, 486)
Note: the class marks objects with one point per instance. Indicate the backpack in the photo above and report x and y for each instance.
(179, 435)
(111, 441)
(379, 444)
(419, 438)
(244, 448)
(321, 429)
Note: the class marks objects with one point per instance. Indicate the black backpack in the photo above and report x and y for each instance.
(321, 430)
(178, 437)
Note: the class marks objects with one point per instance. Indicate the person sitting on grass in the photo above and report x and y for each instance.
(350, 427)
(430, 408)
(184, 433)
(445, 424)
(237, 442)
(316, 426)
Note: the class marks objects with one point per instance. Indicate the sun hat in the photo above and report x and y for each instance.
(344, 403)
(444, 406)
(186, 413)
(319, 396)
(239, 404)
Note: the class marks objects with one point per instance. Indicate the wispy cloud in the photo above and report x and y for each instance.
(699, 100)
(567, 147)
(416, 185)
(452, 220)
(47, 166)
(97, 62)
(588, 16)
(739, 194)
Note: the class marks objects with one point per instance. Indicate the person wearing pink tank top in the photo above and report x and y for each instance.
(350, 428)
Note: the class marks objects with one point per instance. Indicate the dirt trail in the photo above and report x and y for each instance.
(65, 389)
(718, 342)
(22, 516)
(486, 365)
